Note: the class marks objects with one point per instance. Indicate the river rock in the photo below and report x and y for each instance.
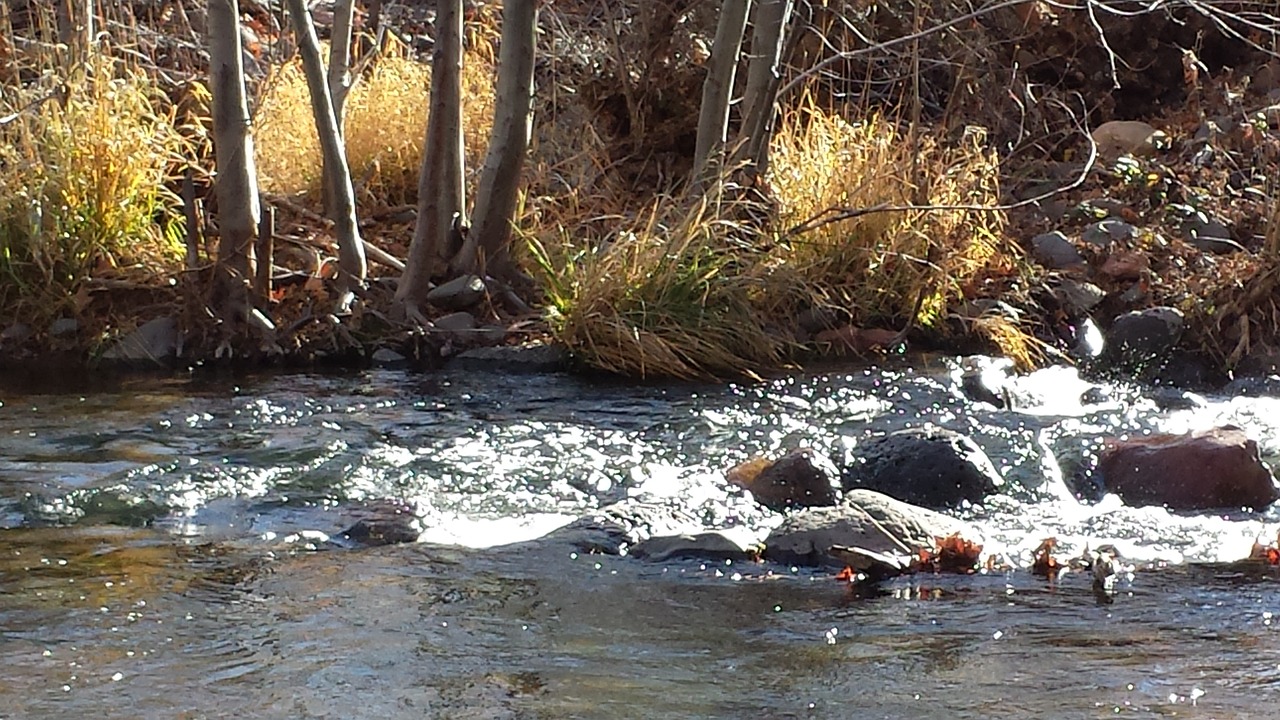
(388, 358)
(801, 478)
(16, 333)
(702, 546)
(384, 523)
(63, 327)
(615, 528)
(930, 466)
(154, 342)
(1209, 469)
(535, 357)
(1211, 236)
(1139, 337)
(1055, 252)
(861, 520)
(459, 293)
(455, 323)
(1078, 297)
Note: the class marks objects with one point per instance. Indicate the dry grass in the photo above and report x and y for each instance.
(83, 186)
(385, 122)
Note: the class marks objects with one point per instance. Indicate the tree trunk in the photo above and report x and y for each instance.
(437, 237)
(75, 26)
(759, 96)
(351, 260)
(339, 78)
(508, 144)
(713, 118)
(236, 184)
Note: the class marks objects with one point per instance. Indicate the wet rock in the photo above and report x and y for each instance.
(801, 478)
(384, 523)
(1126, 137)
(63, 327)
(985, 379)
(1211, 236)
(864, 519)
(527, 358)
(1125, 265)
(702, 546)
(1187, 370)
(931, 466)
(1260, 360)
(459, 293)
(1078, 297)
(1139, 337)
(1109, 231)
(388, 358)
(154, 342)
(459, 323)
(1218, 468)
(1087, 340)
(616, 528)
(1253, 386)
(1055, 252)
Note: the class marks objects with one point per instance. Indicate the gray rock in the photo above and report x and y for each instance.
(615, 528)
(154, 342)
(801, 478)
(388, 358)
(703, 546)
(528, 358)
(456, 323)
(459, 293)
(864, 519)
(931, 466)
(384, 522)
(16, 333)
(1109, 231)
(1137, 338)
(1078, 297)
(1089, 342)
(63, 327)
(1210, 236)
(1054, 251)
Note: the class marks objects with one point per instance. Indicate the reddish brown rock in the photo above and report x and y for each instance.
(801, 478)
(1217, 468)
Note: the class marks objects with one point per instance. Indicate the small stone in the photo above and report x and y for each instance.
(702, 546)
(155, 341)
(1126, 137)
(16, 333)
(387, 358)
(458, 294)
(1211, 236)
(455, 323)
(1055, 252)
(1125, 265)
(801, 478)
(1108, 231)
(63, 327)
(1078, 296)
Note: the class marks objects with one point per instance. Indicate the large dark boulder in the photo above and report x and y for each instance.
(1210, 469)
(933, 467)
(864, 519)
(1142, 337)
(801, 478)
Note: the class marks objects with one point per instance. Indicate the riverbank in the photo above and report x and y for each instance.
(959, 216)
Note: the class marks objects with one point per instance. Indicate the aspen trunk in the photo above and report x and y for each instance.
(759, 97)
(351, 259)
(508, 144)
(717, 90)
(437, 237)
(237, 182)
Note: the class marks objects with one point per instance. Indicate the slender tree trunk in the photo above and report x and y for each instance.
(771, 20)
(75, 26)
(351, 260)
(441, 214)
(508, 144)
(339, 78)
(717, 90)
(237, 182)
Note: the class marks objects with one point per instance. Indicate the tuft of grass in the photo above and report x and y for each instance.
(665, 298)
(384, 126)
(83, 185)
(880, 266)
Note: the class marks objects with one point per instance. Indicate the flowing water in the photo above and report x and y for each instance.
(163, 555)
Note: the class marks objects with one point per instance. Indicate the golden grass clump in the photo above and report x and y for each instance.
(384, 128)
(82, 185)
(878, 265)
(665, 298)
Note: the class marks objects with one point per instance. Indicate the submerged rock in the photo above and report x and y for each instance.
(614, 529)
(527, 358)
(384, 523)
(930, 466)
(702, 546)
(801, 478)
(1210, 469)
(865, 519)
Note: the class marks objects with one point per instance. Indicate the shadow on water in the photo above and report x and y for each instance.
(155, 561)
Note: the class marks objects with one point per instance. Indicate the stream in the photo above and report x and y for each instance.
(165, 553)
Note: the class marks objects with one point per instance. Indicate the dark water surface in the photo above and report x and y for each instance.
(157, 561)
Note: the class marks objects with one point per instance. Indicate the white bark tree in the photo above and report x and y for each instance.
(438, 235)
(486, 245)
(772, 17)
(337, 177)
(717, 90)
(236, 186)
